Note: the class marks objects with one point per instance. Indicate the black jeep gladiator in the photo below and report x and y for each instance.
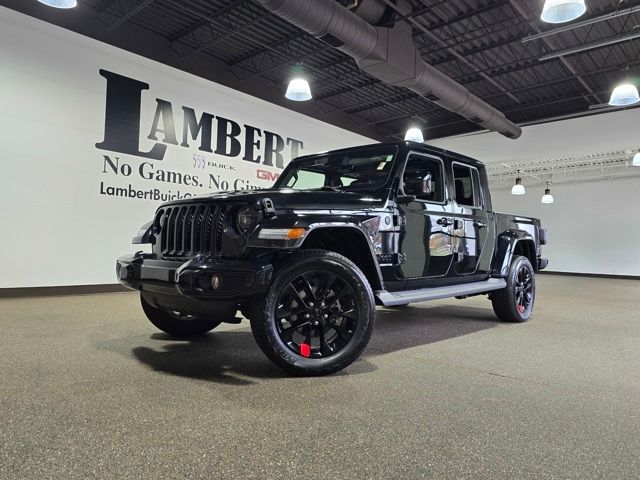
(339, 233)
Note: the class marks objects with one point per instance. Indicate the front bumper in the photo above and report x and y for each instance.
(200, 278)
(542, 263)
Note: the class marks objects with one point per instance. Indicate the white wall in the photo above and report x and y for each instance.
(594, 227)
(58, 227)
(598, 133)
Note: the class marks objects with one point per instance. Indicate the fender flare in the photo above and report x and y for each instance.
(144, 235)
(365, 228)
(376, 282)
(505, 248)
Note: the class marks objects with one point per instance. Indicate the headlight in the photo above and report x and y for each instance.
(245, 218)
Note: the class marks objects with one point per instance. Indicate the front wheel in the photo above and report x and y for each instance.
(176, 323)
(318, 315)
(515, 302)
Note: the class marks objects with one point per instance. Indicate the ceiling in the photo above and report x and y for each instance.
(478, 43)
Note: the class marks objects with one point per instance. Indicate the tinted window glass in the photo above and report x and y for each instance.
(364, 169)
(466, 192)
(477, 195)
(419, 169)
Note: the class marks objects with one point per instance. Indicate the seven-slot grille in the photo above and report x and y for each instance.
(189, 230)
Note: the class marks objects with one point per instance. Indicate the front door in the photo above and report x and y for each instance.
(426, 237)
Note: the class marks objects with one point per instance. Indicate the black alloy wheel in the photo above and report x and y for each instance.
(318, 315)
(524, 289)
(515, 302)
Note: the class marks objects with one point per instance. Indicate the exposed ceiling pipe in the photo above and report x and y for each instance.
(605, 42)
(372, 12)
(390, 55)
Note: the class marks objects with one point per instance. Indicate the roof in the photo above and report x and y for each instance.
(485, 45)
(406, 147)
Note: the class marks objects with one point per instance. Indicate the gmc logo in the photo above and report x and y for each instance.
(267, 175)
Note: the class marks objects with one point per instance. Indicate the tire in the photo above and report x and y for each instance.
(176, 324)
(515, 302)
(331, 314)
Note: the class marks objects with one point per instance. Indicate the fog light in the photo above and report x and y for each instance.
(215, 282)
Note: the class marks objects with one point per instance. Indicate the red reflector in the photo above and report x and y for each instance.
(305, 349)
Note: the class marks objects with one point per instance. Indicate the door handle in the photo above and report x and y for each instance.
(444, 222)
(480, 224)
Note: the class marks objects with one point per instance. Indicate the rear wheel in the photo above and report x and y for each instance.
(515, 302)
(318, 315)
(176, 323)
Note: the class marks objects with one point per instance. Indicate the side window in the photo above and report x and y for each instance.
(467, 185)
(424, 178)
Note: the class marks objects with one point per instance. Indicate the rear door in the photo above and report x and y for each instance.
(471, 221)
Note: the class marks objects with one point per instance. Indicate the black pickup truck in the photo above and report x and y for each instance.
(339, 233)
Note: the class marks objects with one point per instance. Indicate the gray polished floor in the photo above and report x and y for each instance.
(90, 390)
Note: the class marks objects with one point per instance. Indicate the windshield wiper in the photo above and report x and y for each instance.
(329, 188)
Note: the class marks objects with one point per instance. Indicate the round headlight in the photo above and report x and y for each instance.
(245, 219)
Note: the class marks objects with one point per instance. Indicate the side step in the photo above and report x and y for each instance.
(412, 296)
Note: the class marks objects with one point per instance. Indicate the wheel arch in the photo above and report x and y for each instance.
(351, 242)
(512, 243)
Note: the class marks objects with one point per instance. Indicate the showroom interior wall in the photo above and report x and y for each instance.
(94, 138)
(594, 226)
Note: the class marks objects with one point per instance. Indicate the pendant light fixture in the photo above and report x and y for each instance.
(298, 90)
(561, 11)
(624, 95)
(547, 197)
(636, 160)
(414, 134)
(59, 3)
(518, 188)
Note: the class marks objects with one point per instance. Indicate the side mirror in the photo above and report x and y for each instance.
(418, 186)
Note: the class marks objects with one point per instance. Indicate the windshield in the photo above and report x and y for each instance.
(364, 169)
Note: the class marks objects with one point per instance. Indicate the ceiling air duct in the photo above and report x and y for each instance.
(388, 54)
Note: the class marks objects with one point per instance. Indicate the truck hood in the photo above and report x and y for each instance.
(297, 199)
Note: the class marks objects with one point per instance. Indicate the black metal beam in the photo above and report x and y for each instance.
(130, 14)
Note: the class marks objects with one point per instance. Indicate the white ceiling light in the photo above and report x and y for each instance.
(414, 134)
(636, 160)
(60, 3)
(518, 188)
(298, 90)
(547, 197)
(561, 11)
(623, 95)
